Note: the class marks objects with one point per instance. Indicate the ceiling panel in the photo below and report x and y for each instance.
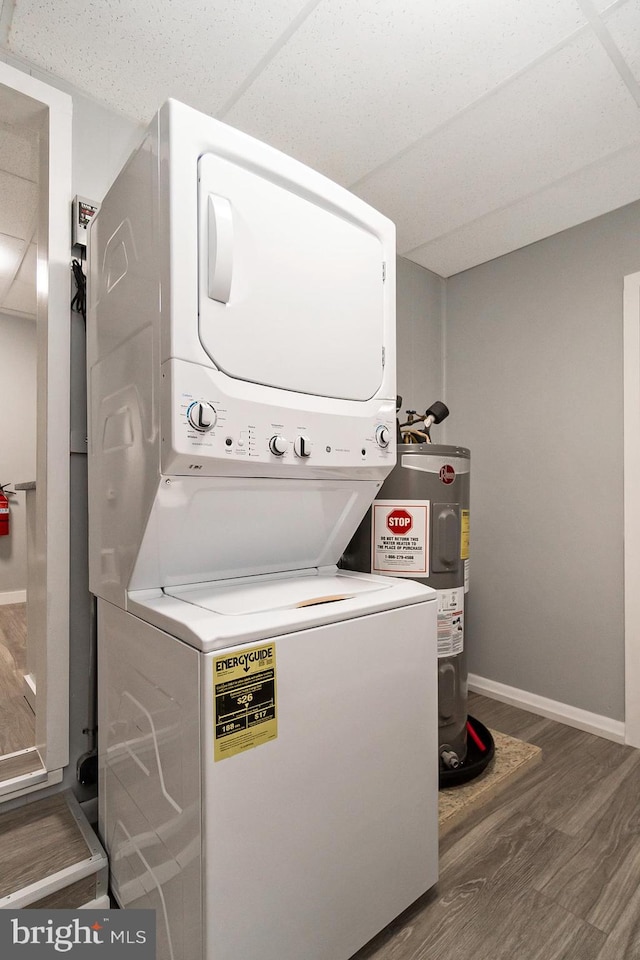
(601, 5)
(11, 251)
(358, 82)
(468, 123)
(566, 112)
(22, 294)
(18, 207)
(135, 55)
(589, 193)
(623, 24)
(18, 152)
(19, 110)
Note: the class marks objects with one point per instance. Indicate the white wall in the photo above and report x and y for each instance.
(534, 383)
(102, 142)
(17, 440)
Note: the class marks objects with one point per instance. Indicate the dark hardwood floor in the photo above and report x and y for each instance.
(547, 870)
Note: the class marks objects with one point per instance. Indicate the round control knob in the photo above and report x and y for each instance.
(201, 416)
(302, 447)
(382, 436)
(278, 445)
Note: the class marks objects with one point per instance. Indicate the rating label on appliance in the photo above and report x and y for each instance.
(400, 538)
(464, 535)
(244, 691)
(450, 622)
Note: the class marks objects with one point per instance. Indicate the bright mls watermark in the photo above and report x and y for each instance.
(79, 934)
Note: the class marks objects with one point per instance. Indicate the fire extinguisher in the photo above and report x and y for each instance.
(5, 517)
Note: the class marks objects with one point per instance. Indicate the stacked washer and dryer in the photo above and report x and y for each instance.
(267, 722)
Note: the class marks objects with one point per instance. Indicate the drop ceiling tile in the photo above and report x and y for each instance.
(589, 193)
(11, 249)
(601, 5)
(360, 81)
(18, 206)
(22, 294)
(132, 56)
(18, 152)
(568, 111)
(623, 24)
(20, 110)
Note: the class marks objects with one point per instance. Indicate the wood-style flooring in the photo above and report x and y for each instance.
(37, 840)
(547, 870)
(17, 722)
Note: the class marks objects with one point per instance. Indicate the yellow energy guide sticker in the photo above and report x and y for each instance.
(464, 534)
(244, 693)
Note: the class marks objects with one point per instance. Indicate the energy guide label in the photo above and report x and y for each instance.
(244, 691)
(450, 622)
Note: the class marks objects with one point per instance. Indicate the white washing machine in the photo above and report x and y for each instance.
(267, 723)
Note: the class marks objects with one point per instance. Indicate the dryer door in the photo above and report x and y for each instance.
(290, 291)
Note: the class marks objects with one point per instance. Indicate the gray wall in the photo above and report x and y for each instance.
(17, 440)
(534, 383)
(419, 302)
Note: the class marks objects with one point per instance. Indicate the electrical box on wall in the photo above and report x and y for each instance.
(83, 212)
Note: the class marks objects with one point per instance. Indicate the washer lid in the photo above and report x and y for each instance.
(290, 287)
(266, 597)
(212, 617)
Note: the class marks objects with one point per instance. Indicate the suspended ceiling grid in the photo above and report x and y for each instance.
(478, 126)
(19, 149)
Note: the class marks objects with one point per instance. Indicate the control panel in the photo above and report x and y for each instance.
(206, 424)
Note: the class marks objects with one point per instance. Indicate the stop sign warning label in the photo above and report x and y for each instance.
(400, 538)
(399, 521)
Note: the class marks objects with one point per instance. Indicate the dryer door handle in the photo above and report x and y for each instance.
(220, 253)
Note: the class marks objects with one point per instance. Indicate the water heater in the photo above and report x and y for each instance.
(418, 527)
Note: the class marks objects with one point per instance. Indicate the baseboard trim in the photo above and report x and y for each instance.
(552, 709)
(13, 596)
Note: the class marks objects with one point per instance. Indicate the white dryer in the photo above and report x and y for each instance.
(267, 723)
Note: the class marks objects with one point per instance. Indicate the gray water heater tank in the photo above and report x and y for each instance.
(418, 527)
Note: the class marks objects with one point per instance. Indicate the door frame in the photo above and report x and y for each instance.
(53, 413)
(631, 352)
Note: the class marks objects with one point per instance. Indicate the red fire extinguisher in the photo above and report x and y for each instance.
(5, 517)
